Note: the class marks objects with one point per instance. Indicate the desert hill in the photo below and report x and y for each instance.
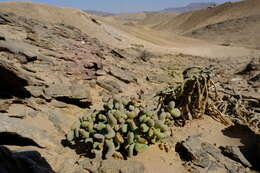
(158, 18)
(141, 18)
(87, 23)
(227, 24)
(241, 32)
(113, 31)
(233, 24)
(166, 29)
(58, 66)
(186, 22)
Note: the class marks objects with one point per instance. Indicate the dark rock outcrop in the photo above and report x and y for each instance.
(15, 79)
(235, 154)
(202, 156)
(22, 162)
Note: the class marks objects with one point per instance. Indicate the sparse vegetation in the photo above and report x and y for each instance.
(129, 127)
(56, 65)
(195, 97)
(124, 125)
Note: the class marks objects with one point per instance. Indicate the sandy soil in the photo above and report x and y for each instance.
(162, 38)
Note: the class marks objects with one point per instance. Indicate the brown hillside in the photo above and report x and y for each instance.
(159, 18)
(63, 72)
(142, 18)
(68, 16)
(189, 21)
(113, 33)
(240, 32)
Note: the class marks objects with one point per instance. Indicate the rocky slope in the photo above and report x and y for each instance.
(52, 72)
(87, 23)
(47, 73)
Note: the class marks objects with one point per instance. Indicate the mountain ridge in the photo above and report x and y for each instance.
(99, 13)
(190, 7)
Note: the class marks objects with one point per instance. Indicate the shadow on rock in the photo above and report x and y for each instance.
(250, 149)
(23, 162)
(13, 81)
(80, 148)
(246, 136)
(8, 138)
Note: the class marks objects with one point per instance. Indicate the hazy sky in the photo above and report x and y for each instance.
(121, 5)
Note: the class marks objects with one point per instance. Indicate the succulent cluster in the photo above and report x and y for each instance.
(123, 125)
(169, 113)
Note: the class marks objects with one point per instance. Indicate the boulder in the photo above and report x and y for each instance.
(36, 91)
(205, 157)
(235, 154)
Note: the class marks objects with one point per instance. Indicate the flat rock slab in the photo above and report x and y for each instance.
(72, 94)
(20, 111)
(123, 75)
(121, 166)
(110, 85)
(72, 91)
(26, 51)
(24, 129)
(112, 166)
(60, 119)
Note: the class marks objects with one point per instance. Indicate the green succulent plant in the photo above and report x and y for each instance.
(123, 125)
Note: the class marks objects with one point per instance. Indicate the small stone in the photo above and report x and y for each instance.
(100, 73)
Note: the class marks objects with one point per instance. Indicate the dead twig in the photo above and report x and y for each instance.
(195, 97)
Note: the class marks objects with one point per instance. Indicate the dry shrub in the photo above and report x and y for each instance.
(195, 96)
